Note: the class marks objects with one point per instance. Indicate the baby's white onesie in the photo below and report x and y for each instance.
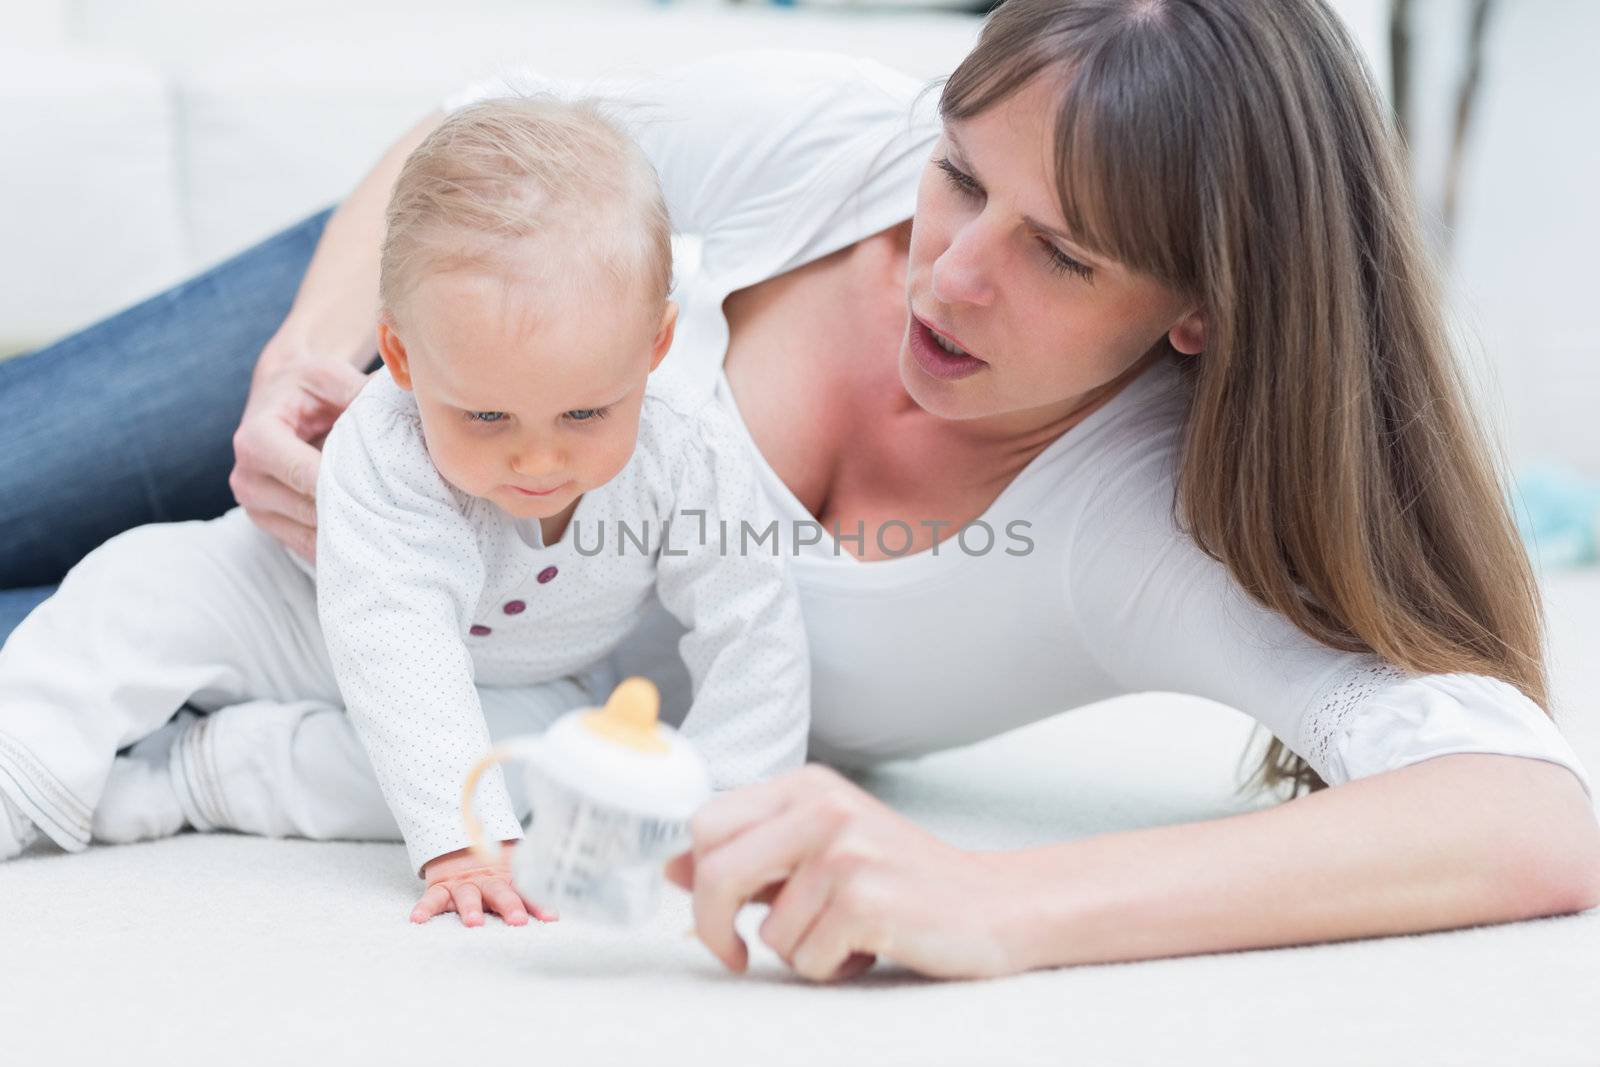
(425, 593)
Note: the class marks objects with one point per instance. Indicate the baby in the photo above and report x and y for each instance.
(494, 511)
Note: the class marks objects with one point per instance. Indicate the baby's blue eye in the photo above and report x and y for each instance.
(486, 416)
(585, 414)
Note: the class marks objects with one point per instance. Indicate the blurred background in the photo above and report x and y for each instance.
(147, 139)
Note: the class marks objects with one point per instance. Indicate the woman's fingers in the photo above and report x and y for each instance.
(728, 876)
(335, 384)
(435, 901)
(798, 904)
(267, 446)
(680, 870)
(261, 494)
(732, 813)
(301, 540)
(276, 454)
(855, 964)
(724, 816)
(275, 479)
(469, 903)
(504, 901)
(827, 952)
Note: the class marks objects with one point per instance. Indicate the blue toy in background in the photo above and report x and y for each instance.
(1558, 516)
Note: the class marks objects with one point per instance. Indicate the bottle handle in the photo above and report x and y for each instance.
(518, 749)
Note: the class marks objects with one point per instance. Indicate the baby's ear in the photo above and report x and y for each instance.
(393, 351)
(663, 341)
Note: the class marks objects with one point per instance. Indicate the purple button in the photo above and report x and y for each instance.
(546, 574)
(514, 607)
(479, 630)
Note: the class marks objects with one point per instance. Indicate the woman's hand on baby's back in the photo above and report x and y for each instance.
(461, 882)
(293, 403)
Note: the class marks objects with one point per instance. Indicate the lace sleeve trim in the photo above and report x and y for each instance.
(1327, 718)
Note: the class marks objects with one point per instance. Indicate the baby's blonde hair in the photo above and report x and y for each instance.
(500, 171)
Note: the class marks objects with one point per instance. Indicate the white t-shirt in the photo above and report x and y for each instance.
(426, 593)
(776, 158)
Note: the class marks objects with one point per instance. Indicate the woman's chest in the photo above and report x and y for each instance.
(813, 365)
(979, 645)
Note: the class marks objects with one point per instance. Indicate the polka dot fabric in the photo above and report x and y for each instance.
(425, 592)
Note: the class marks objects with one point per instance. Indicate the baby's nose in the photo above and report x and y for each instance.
(536, 459)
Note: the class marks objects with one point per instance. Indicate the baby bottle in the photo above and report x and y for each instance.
(611, 791)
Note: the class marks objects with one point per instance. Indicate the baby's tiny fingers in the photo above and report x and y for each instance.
(504, 902)
(544, 915)
(434, 901)
(469, 903)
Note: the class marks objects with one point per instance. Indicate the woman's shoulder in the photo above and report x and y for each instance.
(1121, 464)
(766, 73)
(748, 82)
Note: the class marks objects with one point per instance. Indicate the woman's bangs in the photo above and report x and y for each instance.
(1123, 160)
(1124, 179)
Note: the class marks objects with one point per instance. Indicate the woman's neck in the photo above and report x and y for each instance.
(1002, 445)
(1031, 430)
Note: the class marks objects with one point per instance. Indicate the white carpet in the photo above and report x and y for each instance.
(250, 951)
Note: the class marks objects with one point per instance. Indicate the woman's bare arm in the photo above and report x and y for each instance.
(1453, 841)
(311, 368)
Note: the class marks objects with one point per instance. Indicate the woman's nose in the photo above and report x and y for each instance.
(962, 273)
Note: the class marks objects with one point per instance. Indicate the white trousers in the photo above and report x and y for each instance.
(217, 617)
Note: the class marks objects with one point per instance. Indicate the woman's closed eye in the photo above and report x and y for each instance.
(1062, 263)
(959, 178)
(1057, 260)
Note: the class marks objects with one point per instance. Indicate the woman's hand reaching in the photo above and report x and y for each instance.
(461, 882)
(849, 880)
(292, 405)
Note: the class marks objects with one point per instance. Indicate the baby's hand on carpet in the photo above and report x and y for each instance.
(461, 882)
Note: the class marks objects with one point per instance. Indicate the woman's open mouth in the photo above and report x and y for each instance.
(939, 356)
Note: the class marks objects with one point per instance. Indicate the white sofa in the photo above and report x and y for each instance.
(144, 141)
(148, 140)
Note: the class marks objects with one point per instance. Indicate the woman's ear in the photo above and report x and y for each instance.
(663, 341)
(1189, 334)
(393, 351)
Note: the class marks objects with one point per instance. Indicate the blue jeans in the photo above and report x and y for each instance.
(131, 420)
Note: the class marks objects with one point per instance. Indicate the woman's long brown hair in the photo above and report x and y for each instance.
(1237, 151)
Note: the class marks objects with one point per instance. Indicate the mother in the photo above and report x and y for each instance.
(1169, 328)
